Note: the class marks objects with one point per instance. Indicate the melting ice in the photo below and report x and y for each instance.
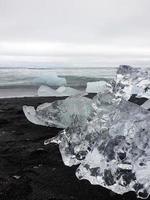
(107, 136)
(45, 90)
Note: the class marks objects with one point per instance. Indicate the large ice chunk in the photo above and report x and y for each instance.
(112, 147)
(146, 104)
(120, 157)
(107, 136)
(98, 86)
(61, 91)
(60, 113)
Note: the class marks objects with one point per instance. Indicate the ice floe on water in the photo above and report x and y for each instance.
(107, 136)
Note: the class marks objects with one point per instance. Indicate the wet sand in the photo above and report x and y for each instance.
(31, 171)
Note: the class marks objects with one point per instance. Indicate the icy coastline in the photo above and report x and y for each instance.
(108, 136)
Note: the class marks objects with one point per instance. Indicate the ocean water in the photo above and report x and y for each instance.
(23, 82)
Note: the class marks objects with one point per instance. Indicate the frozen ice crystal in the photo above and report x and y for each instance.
(120, 159)
(132, 81)
(107, 136)
(45, 90)
(98, 86)
(60, 113)
(61, 91)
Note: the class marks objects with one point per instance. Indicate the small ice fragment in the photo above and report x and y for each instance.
(47, 91)
(146, 104)
(56, 139)
(118, 157)
(16, 176)
(31, 115)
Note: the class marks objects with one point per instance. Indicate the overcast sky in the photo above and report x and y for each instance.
(75, 29)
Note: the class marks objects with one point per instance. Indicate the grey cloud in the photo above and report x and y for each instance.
(101, 22)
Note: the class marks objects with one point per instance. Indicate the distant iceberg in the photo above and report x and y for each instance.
(61, 91)
(30, 77)
(46, 91)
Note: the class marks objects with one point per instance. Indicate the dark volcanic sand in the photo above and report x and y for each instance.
(31, 171)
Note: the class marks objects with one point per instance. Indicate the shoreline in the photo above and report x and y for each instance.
(31, 171)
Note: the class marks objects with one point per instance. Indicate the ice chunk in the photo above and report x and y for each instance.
(75, 141)
(68, 91)
(61, 91)
(31, 115)
(47, 91)
(60, 113)
(112, 149)
(98, 86)
(119, 158)
(132, 81)
(48, 78)
(107, 136)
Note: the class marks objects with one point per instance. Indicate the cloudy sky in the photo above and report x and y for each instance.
(75, 31)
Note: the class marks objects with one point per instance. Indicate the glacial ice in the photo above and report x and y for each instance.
(60, 113)
(119, 159)
(31, 115)
(132, 81)
(95, 87)
(107, 136)
(46, 91)
(68, 91)
(61, 91)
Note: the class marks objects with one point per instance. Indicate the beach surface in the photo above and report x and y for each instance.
(31, 171)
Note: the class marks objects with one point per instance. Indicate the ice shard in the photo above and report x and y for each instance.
(107, 136)
(120, 157)
(60, 113)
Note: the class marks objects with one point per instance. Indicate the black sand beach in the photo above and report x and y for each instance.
(31, 171)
